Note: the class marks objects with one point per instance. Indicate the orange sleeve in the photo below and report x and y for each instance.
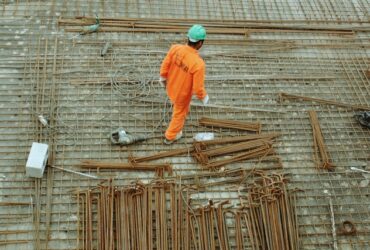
(198, 82)
(165, 67)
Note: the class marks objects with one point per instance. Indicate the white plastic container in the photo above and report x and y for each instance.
(37, 159)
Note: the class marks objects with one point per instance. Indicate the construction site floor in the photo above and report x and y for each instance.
(258, 59)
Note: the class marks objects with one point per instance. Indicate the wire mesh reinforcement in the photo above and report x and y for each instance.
(45, 70)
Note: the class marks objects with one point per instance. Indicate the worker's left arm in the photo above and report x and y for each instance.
(198, 82)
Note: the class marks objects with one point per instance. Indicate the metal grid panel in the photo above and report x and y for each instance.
(41, 71)
(280, 10)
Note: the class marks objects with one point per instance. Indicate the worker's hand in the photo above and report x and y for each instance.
(205, 100)
(163, 81)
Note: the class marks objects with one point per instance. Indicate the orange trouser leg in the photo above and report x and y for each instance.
(179, 113)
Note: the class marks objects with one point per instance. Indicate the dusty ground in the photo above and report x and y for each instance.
(44, 70)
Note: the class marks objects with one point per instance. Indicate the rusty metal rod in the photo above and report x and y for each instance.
(285, 96)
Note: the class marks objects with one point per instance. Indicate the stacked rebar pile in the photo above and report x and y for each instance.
(131, 217)
(160, 215)
(236, 149)
(265, 220)
(208, 228)
(249, 149)
(269, 214)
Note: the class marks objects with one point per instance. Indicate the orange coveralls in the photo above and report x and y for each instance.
(184, 70)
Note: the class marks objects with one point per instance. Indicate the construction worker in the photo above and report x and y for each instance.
(182, 74)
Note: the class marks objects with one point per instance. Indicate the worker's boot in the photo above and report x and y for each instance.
(363, 118)
(169, 142)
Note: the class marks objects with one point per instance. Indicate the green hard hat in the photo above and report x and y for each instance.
(196, 33)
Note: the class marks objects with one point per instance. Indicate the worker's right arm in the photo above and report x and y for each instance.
(165, 67)
(198, 81)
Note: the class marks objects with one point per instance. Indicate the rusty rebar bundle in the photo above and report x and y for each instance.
(269, 214)
(258, 148)
(182, 151)
(208, 228)
(231, 27)
(266, 218)
(321, 155)
(138, 216)
(252, 146)
(222, 123)
(129, 166)
(287, 96)
(161, 215)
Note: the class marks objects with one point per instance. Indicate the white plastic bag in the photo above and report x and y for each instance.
(206, 136)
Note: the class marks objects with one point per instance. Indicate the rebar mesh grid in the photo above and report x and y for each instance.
(279, 10)
(63, 77)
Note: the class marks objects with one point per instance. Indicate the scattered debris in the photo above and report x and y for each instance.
(347, 228)
(363, 118)
(105, 49)
(204, 136)
(43, 120)
(121, 137)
